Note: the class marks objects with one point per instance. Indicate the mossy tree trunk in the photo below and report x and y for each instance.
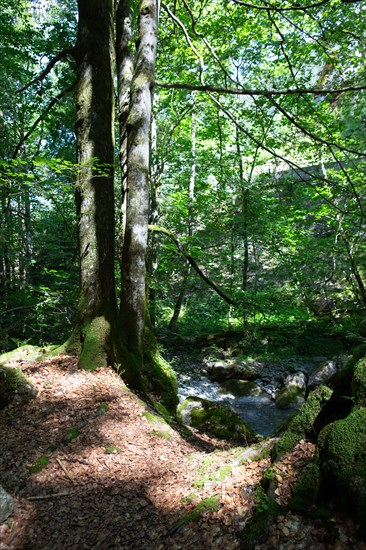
(92, 338)
(137, 126)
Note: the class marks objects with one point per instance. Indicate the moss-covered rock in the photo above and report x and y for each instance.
(26, 354)
(342, 460)
(6, 505)
(358, 385)
(302, 424)
(14, 386)
(216, 418)
(293, 393)
(241, 388)
(343, 384)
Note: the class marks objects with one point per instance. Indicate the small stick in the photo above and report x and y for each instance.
(43, 497)
(64, 469)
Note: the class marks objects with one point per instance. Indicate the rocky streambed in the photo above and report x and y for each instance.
(262, 393)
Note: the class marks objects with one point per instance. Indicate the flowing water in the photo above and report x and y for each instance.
(259, 412)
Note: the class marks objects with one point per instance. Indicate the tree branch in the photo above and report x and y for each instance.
(57, 98)
(196, 267)
(51, 64)
(255, 92)
(296, 7)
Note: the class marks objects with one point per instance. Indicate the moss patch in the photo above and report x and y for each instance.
(257, 527)
(210, 504)
(41, 463)
(14, 385)
(96, 335)
(306, 489)
(290, 396)
(23, 353)
(162, 380)
(358, 385)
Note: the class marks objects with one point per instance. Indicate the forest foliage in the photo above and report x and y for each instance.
(257, 166)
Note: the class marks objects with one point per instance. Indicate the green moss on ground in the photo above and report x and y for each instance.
(23, 353)
(256, 529)
(306, 490)
(210, 504)
(13, 377)
(14, 385)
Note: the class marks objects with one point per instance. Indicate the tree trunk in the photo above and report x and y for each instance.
(133, 267)
(244, 214)
(192, 184)
(93, 335)
(124, 61)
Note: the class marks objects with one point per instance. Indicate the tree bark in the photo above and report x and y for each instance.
(124, 61)
(131, 321)
(93, 335)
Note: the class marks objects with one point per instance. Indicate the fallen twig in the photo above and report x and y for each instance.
(44, 497)
(64, 469)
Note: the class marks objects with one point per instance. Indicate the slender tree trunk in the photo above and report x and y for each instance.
(133, 266)
(25, 249)
(4, 247)
(124, 61)
(93, 334)
(244, 212)
(192, 183)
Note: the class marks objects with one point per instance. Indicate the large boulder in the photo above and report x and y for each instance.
(358, 384)
(14, 386)
(215, 418)
(342, 460)
(219, 371)
(6, 504)
(293, 392)
(241, 388)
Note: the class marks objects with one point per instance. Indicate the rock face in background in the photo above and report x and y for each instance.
(14, 386)
(6, 505)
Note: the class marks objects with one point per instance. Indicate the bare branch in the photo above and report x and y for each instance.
(196, 267)
(255, 92)
(296, 7)
(51, 64)
(310, 134)
(53, 102)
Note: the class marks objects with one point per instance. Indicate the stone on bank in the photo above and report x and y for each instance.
(215, 418)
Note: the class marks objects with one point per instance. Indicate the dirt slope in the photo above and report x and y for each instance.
(115, 476)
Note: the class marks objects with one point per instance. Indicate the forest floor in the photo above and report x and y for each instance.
(91, 467)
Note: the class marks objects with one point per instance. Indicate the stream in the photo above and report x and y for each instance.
(259, 412)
